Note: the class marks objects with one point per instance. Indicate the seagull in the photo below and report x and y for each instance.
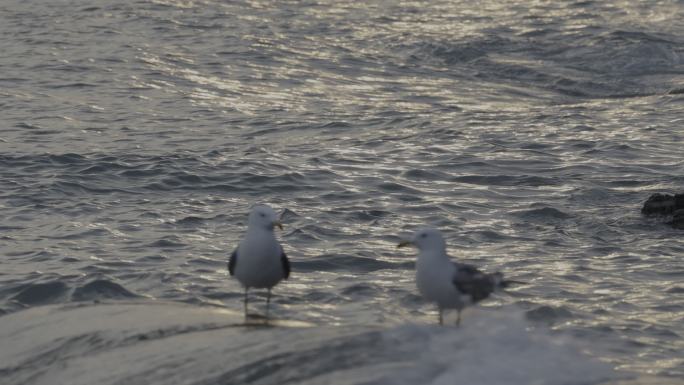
(259, 260)
(450, 284)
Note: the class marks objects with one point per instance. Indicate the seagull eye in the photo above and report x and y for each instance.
(423, 235)
(262, 214)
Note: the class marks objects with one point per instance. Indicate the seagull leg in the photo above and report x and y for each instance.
(440, 316)
(246, 302)
(268, 301)
(458, 319)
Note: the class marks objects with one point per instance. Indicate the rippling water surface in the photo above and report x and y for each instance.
(135, 135)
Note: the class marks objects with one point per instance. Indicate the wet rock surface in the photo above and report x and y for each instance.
(678, 219)
(666, 204)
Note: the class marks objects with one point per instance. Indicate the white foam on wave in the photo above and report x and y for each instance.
(494, 347)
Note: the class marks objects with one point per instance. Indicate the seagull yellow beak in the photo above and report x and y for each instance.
(278, 225)
(404, 244)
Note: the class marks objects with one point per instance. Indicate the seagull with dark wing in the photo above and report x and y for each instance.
(259, 260)
(449, 284)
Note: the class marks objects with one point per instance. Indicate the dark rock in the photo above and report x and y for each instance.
(678, 219)
(663, 204)
(668, 205)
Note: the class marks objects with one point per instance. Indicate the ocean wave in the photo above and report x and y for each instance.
(211, 346)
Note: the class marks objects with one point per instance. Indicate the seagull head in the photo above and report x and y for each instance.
(427, 239)
(263, 217)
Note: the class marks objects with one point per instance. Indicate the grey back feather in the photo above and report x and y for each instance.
(469, 280)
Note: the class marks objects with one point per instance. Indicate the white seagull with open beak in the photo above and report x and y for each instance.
(259, 260)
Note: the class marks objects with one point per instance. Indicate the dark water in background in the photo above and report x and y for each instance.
(135, 136)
